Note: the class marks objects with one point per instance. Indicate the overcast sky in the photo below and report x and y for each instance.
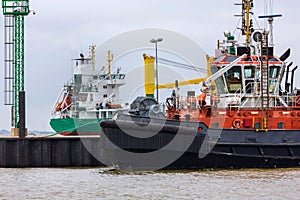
(60, 30)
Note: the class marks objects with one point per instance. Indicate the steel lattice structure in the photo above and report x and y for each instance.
(14, 44)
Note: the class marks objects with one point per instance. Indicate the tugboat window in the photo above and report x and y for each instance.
(249, 71)
(274, 71)
(219, 81)
(230, 58)
(220, 85)
(233, 79)
(272, 85)
(219, 59)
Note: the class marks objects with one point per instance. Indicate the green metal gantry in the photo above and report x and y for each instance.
(17, 9)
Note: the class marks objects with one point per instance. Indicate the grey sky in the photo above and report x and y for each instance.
(62, 29)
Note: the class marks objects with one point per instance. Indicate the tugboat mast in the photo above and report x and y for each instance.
(247, 23)
(248, 26)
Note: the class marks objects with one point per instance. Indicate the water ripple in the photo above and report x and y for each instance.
(106, 183)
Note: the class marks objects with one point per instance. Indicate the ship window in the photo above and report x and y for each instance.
(230, 58)
(102, 77)
(110, 114)
(272, 85)
(220, 85)
(78, 78)
(219, 81)
(104, 86)
(113, 86)
(91, 97)
(273, 60)
(95, 77)
(249, 71)
(122, 76)
(82, 97)
(274, 71)
(219, 59)
(233, 79)
(105, 95)
(214, 68)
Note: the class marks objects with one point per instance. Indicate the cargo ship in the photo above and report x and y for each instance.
(89, 97)
(246, 116)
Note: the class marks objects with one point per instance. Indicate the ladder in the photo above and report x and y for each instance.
(9, 59)
(264, 83)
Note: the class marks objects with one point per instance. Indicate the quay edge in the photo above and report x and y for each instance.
(48, 152)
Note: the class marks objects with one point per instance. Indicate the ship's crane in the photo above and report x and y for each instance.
(14, 12)
(149, 72)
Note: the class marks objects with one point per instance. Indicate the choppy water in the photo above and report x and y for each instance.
(102, 183)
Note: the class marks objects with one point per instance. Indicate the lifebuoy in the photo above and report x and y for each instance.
(237, 123)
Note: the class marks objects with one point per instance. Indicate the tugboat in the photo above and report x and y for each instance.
(245, 117)
(91, 96)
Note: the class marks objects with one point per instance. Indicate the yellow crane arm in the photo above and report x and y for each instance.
(149, 74)
(182, 83)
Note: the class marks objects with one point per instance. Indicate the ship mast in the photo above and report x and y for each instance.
(248, 4)
(247, 23)
(92, 49)
(110, 58)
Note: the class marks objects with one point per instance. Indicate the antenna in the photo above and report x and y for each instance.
(247, 23)
(270, 20)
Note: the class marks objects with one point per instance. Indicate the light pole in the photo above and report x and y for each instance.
(155, 41)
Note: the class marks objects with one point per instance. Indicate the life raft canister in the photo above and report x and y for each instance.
(237, 123)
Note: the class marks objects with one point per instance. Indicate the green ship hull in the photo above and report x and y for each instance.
(75, 126)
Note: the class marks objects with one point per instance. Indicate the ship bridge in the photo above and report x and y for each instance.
(244, 78)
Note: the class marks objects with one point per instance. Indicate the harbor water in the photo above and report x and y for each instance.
(105, 183)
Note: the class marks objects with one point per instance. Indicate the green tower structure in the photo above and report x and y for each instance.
(14, 12)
